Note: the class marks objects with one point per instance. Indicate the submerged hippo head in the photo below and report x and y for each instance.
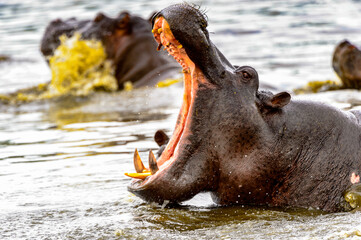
(128, 43)
(106, 29)
(218, 144)
(56, 28)
(346, 62)
(113, 32)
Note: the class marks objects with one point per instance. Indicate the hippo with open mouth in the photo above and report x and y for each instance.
(243, 145)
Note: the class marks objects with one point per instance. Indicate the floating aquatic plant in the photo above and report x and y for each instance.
(353, 196)
(80, 67)
(167, 82)
(319, 86)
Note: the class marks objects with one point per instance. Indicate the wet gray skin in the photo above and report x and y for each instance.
(251, 147)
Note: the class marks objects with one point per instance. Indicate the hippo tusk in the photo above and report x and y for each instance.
(152, 163)
(141, 171)
(138, 175)
(138, 164)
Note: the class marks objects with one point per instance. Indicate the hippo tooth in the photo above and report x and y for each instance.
(152, 163)
(138, 164)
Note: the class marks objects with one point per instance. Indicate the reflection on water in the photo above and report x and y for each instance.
(62, 161)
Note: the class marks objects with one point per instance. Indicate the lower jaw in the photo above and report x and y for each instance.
(182, 129)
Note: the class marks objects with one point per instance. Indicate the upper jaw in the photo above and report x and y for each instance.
(164, 36)
(194, 40)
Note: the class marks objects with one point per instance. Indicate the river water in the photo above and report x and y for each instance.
(62, 162)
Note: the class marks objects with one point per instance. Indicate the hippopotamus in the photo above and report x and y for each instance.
(128, 43)
(346, 62)
(244, 145)
(56, 28)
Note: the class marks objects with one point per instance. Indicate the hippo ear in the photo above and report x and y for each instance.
(123, 20)
(161, 138)
(99, 17)
(279, 100)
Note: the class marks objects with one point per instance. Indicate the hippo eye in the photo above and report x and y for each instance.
(246, 75)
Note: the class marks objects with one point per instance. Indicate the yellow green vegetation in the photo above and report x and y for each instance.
(128, 86)
(353, 196)
(353, 233)
(167, 82)
(80, 67)
(4, 58)
(318, 86)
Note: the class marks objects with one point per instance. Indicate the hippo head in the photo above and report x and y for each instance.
(218, 135)
(50, 40)
(113, 31)
(346, 63)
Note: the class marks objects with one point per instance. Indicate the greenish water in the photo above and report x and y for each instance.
(63, 161)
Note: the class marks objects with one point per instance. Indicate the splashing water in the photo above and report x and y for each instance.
(80, 66)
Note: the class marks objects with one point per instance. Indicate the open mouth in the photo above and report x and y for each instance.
(192, 78)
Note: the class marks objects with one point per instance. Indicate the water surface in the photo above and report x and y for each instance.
(62, 162)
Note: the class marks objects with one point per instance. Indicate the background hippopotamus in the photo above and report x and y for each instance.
(128, 42)
(50, 40)
(347, 64)
(243, 145)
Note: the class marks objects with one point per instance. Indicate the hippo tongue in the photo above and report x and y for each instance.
(192, 78)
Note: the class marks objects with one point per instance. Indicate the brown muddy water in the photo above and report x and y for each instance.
(62, 161)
